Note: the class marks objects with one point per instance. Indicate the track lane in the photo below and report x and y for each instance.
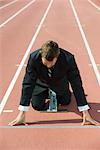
(8, 4)
(91, 85)
(3, 2)
(91, 27)
(85, 40)
(17, 48)
(12, 13)
(89, 19)
(96, 2)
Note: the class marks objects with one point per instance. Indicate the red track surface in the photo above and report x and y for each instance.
(59, 25)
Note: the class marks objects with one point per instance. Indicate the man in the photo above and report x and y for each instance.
(52, 68)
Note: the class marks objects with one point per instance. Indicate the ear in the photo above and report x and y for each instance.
(59, 52)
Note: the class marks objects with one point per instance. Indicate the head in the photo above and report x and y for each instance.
(49, 53)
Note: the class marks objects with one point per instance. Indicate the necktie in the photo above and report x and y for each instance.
(49, 72)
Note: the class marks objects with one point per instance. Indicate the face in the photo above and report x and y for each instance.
(47, 63)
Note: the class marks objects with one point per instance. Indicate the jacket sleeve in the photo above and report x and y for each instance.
(76, 82)
(28, 83)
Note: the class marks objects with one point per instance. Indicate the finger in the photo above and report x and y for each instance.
(84, 120)
(16, 123)
(90, 122)
(26, 124)
(11, 123)
(93, 122)
(22, 123)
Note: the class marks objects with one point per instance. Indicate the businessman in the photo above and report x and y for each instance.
(51, 67)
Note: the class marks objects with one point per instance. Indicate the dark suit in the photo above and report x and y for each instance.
(65, 71)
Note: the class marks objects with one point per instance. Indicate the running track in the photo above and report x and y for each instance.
(24, 26)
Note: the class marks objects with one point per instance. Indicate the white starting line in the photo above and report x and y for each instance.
(50, 127)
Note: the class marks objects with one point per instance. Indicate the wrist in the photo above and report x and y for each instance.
(22, 112)
(23, 108)
(85, 110)
(86, 113)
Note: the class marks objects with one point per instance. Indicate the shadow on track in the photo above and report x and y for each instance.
(72, 107)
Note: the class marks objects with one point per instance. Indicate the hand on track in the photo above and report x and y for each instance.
(88, 120)
(20, 120)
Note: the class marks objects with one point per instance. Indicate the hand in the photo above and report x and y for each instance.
(88, 120)
(20, 119)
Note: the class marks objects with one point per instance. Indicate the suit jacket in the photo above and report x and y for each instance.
(65, 71)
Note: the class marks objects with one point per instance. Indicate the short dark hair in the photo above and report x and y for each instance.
(50, 50)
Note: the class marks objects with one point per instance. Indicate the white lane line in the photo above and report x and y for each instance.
(16, 14)
(8, 111)
(17, 65)
(86, 43)
(97, 7)
(8, 4)
(10, 88)
(98, 65)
